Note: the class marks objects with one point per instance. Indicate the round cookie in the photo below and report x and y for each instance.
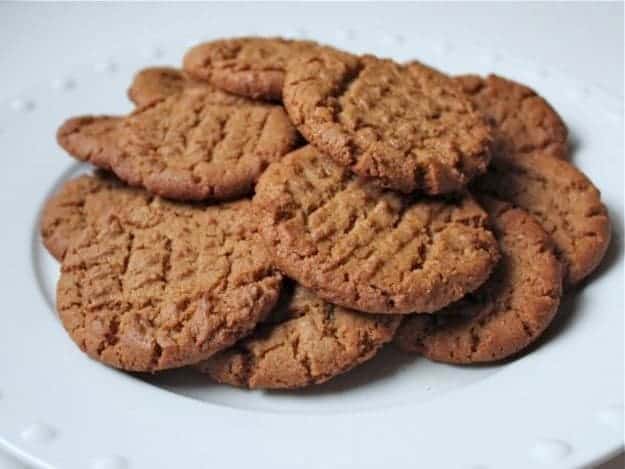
(407, 127)
(523, 122)
(80, 202)
(198, 144)
(313, 342)
(508, 312)
(250, 66)
(562, 199)
(359, 246)
(155, 83)
(154, 284)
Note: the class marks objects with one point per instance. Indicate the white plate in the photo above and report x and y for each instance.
(561, 405)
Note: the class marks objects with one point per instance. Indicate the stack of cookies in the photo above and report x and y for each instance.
(277, 211)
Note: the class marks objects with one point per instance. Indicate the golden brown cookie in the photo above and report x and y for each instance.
(198, 144)
(562, 199)
(312, 342)
(249, 66)
(359, 246)
(523, 122)
(510, 311)
(80, 202)
(155, 83)
(91, 138)
(407, 127)
(153, 284)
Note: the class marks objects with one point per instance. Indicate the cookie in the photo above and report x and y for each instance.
(562, 199)
(313, 342)
(362, 247)
(407, 127)
(91, 138)
(198, 144)
(509, 312)
(79, 202)
(153, 284)
(523, 122)
(250, 66)
(155, 83)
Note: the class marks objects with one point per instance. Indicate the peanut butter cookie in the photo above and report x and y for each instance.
(78, 203)
(155, 83)
(250, 66)
(153, 284)
(523, 122)
(198, 144)
(313, 342)
(362, 247)
(407, 127)
(91, 138)
(506, 314)
(562, 199)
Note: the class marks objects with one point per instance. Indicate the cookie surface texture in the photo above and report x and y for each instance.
(198, 144)
(523, 122)
(91, 138)
(506, 314)
(407, 127)
(313, 342)
(78, 203)
(362, 247)
(249, 66)
(154, 284)
(154, 83)
(562, 199)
